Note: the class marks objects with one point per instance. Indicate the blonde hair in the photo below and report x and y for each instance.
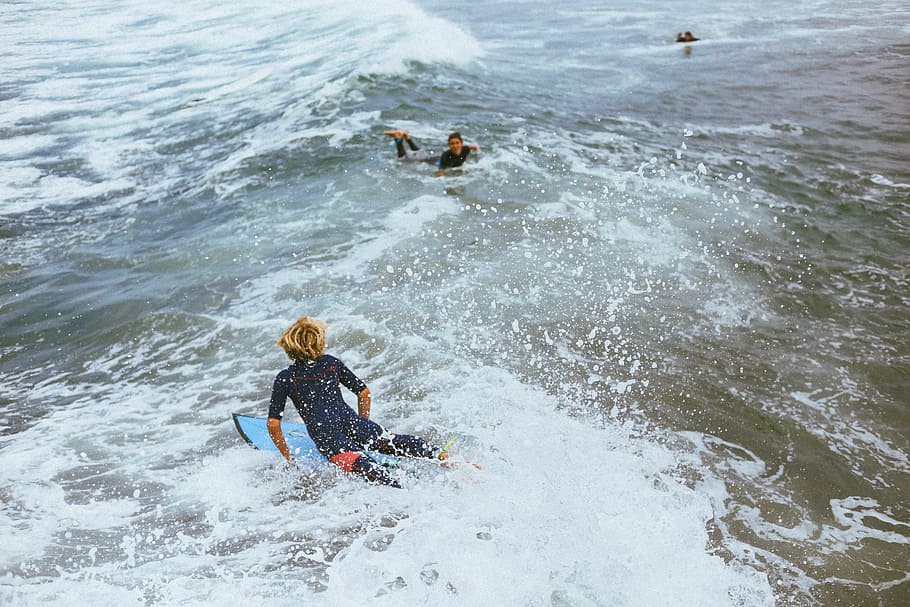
(305, 340)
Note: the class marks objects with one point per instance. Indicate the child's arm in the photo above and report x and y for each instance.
(363, 403)
(274, 426)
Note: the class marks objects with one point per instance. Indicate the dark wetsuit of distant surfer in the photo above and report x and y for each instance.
(451, 158)
(313, 382)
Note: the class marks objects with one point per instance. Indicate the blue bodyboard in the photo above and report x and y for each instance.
(254, 431)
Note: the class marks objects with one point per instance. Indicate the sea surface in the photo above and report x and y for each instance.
(668, 297)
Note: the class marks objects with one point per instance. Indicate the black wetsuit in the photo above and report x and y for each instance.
(339, 433)
(450, 160)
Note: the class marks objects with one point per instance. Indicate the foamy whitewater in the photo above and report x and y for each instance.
(668, 298)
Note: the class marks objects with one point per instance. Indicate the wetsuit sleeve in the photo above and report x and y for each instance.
(281, 389)
(348, 379)
(448, 160)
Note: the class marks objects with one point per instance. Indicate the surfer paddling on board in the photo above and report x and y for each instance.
(313, 382)
(451, 158)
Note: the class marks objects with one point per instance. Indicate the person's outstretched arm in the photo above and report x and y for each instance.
(277, 401)
(363, 403)
(274, 426)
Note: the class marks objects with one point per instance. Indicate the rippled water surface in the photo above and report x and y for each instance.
(668, 297)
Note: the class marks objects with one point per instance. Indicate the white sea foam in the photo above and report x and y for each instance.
(114, 104)
(882, 180)
(850, 436)
(542, 510)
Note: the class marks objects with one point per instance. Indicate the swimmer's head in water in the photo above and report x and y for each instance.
(455, 142)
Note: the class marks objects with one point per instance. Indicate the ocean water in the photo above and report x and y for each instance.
(669, 297)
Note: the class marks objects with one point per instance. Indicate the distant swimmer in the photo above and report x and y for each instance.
(687, 37)
(451, 158)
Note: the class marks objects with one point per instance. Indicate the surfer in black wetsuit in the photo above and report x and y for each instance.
(451, 158)
(313, 382)
(687, 37)
(455, 155)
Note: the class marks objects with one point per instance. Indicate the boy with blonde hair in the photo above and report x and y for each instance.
(313, 382)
